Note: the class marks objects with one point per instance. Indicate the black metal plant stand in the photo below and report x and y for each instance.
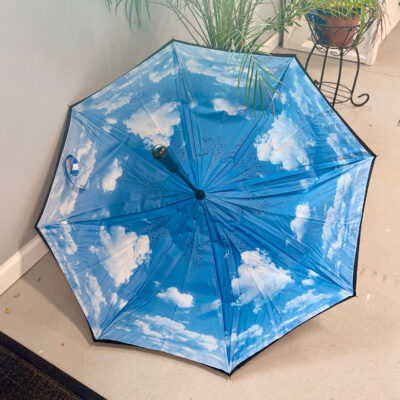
(341, 39)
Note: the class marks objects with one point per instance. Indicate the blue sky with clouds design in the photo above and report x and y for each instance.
(272, 244)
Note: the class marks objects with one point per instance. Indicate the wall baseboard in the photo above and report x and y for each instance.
(19, 263)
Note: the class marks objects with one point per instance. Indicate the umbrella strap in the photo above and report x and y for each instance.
(71, 169)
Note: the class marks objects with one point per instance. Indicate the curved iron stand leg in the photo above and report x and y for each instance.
(339, 77)
(366, 95)
(321, 80)
(309, 56)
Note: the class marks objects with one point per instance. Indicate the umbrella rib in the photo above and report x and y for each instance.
(232, 199)
(289, 177)
(328, 278)
(178, 231)
(238, 226)
(91, 221)
(222, 220)
(212, 176)
(189, 95)
(184, 283)
(264, 183)
(246, 137)
(87, 122)
(100, 262)
(206, 214)
(299, 130)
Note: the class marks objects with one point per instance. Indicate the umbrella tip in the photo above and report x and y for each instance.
(199, 194)
(159, 151)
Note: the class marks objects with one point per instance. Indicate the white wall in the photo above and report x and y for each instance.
(54, 53)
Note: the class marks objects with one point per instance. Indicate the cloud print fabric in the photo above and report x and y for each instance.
(272, 244)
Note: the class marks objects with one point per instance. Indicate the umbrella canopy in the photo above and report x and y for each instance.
(189, 223)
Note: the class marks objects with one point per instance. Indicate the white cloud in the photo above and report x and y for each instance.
(111, 121)
(304, 93)
(215, 304)
(175, 331)
(222, 74)
(338, 264)
(339, 147)
(300, 97)
(122, 328)
(113, 173)
(146, 330)
(212, 306)
(70, 245)
(116, 102)
(86, 156)
(305, 300)
(258, 278)
(284, 144)
(307, 282)
(95, 295)
(122, 252)
(221, 104)
(155, 123)
(157, 76)
(337, 244)
(341, 142)
(333, 141)
(282, 97)
(312, 274)
(122, 303)
(297, 225)
(305, 183)
(253, 332)
(248, 341)
(173, 295)
(333, 231)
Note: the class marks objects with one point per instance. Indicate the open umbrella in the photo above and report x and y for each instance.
(189, 223)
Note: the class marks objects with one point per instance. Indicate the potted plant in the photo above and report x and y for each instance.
(238, 26)
(233, 25)
(343, 23)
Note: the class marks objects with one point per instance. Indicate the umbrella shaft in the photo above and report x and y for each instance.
(179, 173)
(161, 154)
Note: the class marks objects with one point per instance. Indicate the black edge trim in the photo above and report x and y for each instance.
(316, 315)
(336, 112)
(364, 145)
(48, 369)
(63, 140)
(355, 268)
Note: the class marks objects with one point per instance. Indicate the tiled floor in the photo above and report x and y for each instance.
(351, 352)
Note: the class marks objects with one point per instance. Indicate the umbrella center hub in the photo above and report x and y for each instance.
(199, 194)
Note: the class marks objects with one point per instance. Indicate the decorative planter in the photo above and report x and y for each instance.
(331, 30)
(340, 31)
(343, 34)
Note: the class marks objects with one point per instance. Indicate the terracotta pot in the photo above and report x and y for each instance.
(340, 31)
